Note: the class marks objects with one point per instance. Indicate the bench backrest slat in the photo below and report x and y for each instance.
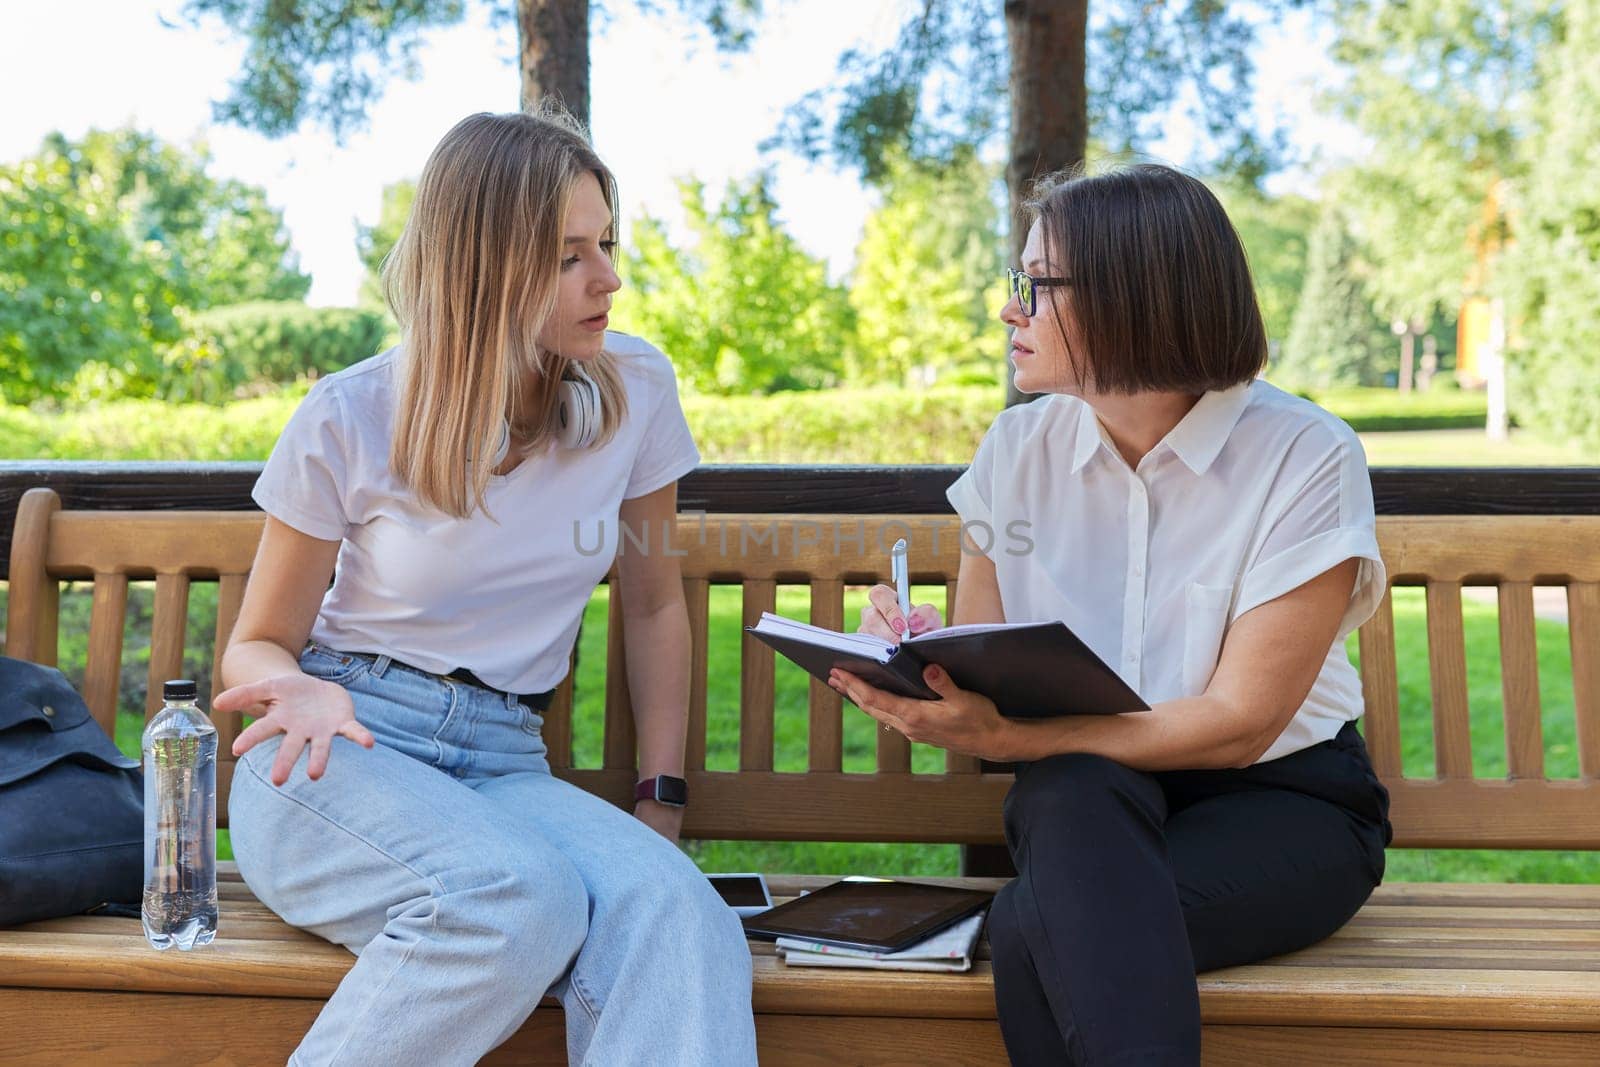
(230, 596)
(758, 553)
(108, 617)
(1447, 666)
(1380, 688)
(1583, 609)
(697, 597)
(620, 737)
(168, 629)
(757, 693)
(1519, 681)
(825, 721)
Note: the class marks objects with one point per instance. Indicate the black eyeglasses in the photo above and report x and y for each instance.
(1025, 287)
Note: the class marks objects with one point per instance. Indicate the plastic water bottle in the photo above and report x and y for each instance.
(180, 822)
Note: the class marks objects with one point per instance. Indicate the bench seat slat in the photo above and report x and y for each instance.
(1340, 982)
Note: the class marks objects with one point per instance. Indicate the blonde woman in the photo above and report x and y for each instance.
(393, 794)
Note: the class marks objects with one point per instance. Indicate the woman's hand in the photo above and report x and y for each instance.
(306, 710)
(664, 819)
(960, 720)
(881, 616)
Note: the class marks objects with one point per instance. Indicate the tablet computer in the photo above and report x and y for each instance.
(881, 916)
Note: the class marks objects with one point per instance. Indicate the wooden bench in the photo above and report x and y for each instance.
(1468, 974)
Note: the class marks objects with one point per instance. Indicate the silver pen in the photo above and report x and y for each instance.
(900, 572)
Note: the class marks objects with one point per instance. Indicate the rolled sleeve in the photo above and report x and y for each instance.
(972, 494)
(1322, 522)
(1294, 567)
(667, 450)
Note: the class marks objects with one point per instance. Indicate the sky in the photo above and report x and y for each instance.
(665, 105)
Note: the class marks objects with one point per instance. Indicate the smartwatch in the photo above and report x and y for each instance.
(663, 789)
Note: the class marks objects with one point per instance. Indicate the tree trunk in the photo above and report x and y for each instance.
(1407, 358)
(1049, 105)
(553, 39)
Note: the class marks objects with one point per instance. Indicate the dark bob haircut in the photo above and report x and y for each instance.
(1160, 290)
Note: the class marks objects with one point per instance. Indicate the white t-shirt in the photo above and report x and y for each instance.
(500, 596)
(1253, 494)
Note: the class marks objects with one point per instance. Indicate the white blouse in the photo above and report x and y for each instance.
(499, 593)
(1253, 494)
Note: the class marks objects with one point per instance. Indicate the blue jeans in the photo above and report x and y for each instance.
(469, 882)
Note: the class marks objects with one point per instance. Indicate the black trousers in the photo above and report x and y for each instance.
(1129, 883)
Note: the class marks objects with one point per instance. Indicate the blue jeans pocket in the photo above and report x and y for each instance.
(331, 665)
(532, 721)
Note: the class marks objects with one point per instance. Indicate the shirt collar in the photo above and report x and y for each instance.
(1091, 435)
(1196, 440)
(1199, 436)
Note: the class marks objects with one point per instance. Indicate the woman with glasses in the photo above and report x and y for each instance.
(1212, 539)
(393, 794)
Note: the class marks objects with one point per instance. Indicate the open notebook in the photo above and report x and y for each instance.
(1030, 670)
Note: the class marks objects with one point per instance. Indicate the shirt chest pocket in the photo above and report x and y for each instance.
(1205, 622)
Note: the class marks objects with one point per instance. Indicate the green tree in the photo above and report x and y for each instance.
(1553, 267)
(75, 291)
(1335, 339)
(745, 309)
(374, 242)
(328, 60)
(1441, 88)
(219, 239)
(924, 287)
(107, 242)
(1274, 231)
(962, 71)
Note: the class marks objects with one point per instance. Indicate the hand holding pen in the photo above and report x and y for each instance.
(888, 612)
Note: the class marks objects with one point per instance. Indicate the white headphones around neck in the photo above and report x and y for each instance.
(577, 410)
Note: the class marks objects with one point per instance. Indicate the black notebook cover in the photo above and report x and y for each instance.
(1035, 671)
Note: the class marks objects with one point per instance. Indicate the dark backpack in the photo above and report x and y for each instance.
(71, 805)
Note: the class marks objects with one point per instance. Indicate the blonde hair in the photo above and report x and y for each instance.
(472, 281)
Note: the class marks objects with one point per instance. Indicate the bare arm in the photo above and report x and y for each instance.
(655, 624)
(1270, 659)
(262, 665)
(287, 582)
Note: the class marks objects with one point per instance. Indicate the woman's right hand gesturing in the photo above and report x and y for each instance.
(306, 710)
(881, 616)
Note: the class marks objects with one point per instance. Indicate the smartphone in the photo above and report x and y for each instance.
(746, 894)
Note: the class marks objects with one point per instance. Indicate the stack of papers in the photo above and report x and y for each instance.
(948, 950)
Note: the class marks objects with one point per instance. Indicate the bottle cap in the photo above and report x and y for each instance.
(180, 689)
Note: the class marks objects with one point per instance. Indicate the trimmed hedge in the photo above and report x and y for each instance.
(268, 343)
(1381, 410)
(940, 425)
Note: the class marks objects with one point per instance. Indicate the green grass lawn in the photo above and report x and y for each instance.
(790, 729)
(1470, 448)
